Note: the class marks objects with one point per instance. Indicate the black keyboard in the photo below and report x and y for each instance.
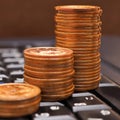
(102, 103)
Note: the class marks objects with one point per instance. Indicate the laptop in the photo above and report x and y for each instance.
(102, 103)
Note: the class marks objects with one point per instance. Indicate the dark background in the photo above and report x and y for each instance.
(35, 18)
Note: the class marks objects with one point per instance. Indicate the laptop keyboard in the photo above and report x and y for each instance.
(100, 104)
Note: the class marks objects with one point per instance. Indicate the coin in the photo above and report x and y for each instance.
(48, 52)
(18, 99)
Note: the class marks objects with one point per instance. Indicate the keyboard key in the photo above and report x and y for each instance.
(54, 112)
(8, 50)
(111, 94)
(13, 60)
(17, 74)
(13, 67)
(2, 70)
(85, 101)
(11, 55)
(4, 79)
(22, 118)
(102, 114)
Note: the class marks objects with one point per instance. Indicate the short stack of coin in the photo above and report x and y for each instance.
(51, 69)
(18, 99)
(79, 28)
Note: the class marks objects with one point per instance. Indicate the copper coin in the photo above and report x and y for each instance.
(87, 78)
(48, 80)
(78, 48)
(43, 69)
(78, 39)
(57, 97)
(67, 44)
(79, 15)
(81, 18)
(86, 75)
(51, 90)
(46, 76)
(77, 36)
(50, 85)
(73, 30)
(86, 54)
(79, 21)
(84, 82)
(48, 62)
(87, 61)
(80, 89)
(18, 99)
(77, 8)
(50, 66)
(17, 91)
(87, 66)
(48, 52)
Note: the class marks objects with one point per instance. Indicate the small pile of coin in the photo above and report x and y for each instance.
(79, 28)
(18, 99)
(51, 69)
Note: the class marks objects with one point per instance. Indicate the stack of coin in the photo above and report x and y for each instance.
(79, 28)
(51, 69)
(18, 99)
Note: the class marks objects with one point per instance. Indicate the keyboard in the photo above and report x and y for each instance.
(102, 103)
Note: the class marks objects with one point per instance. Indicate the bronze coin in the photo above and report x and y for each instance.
(80, 24)
(50, 66)
(77, 36)
(86, 75)
(46, 75)
(87, 61)
(40, 73)
(48, 62)
(49, 80)
(58, 96)
(78, 39)
(18, 99)
(43, 69)
(52, 90)
(50, 85)
(48, 52)
(84, 81)
(77, 45)
(78, 48)
(79, 21)
(86, 66)
(81, 89)
(92, 78)
(81, 17)
(17, 91)
(73, 30)
(75, 8)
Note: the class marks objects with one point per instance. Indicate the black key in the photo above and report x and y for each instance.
(4, 79)
(18, 74)
(2, 70)
(50, 104)
(8, 50)
(105, 81)
(12, 67)
(13, 60)
(55, 112)
(103, 114)
(85, 101)
(11, 55)
(20, 118)
(111, 95)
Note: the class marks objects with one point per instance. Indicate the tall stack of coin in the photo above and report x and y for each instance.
(18, 99)
(79, 28)
(51, 69)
